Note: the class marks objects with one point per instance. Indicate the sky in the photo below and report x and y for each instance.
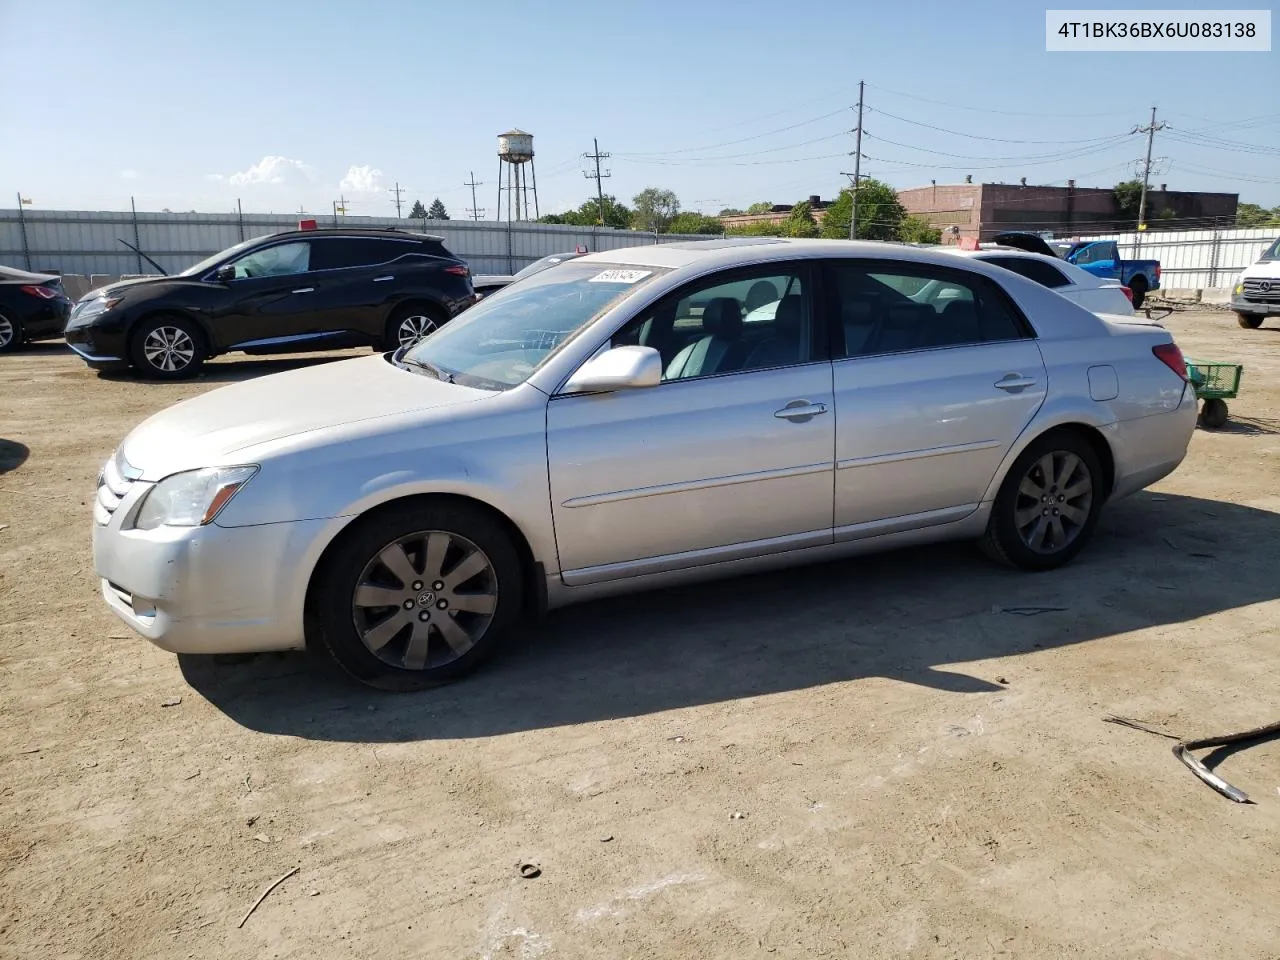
(285, 104)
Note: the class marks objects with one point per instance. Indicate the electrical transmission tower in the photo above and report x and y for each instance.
(598, 176)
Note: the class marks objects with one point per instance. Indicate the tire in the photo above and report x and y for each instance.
(415, 639)
(167, 348)
(10, 334)
(1213, 414)
(411, 323)
(1014, 529)
(1139, 290)
(1250, 321)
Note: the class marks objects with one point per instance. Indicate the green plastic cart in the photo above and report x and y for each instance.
(1214, 384)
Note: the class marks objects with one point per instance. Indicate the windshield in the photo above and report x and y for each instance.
(503, 339)
(539, 265)
(1272, 252)
(208, 262)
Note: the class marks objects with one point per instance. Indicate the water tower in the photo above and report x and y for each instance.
(515, 149)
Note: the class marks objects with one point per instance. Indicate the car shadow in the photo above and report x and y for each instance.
(45, 347)
(917, 616)
(1250, 426)
(235, 370)
(12, 455)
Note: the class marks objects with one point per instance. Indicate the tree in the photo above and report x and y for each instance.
(1253, 215)
(731, 212)
(1128, 196)
(437, 211)
(688, 222)
(616, 215)
(761, 228)
(419, 212)
(655, 208)
(918, 230)
(800, 222)
(764, 206)
(880, 213)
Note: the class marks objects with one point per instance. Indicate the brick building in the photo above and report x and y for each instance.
(982, 210)
(778, 213)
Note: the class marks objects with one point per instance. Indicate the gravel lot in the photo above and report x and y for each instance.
(917, 772)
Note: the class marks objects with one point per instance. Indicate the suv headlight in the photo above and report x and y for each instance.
(191, 499)
(86, 309)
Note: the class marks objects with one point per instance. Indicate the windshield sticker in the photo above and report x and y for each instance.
(620, 276)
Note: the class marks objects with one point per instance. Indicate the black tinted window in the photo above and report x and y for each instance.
(331, 253)
(1045, 274)
(888, 307)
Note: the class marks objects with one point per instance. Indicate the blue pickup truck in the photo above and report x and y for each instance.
(1099, 257)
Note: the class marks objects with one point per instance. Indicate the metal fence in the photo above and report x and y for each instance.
(1196, 259)
(88, 242)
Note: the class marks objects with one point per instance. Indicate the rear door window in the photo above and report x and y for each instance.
(336, 253)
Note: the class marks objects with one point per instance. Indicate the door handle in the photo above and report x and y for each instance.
(1013, 382)
(305, 290)
(380, 279)
(799, 411)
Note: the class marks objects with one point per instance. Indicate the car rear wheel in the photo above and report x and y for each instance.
(410, 324)
(1138, 287)
(1048, 504)
(1250, 321)
(168, 348)
(418, 595)
(10, 334)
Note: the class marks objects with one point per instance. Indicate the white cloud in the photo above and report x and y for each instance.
(130, 175)
(365, 179)
(270, 170)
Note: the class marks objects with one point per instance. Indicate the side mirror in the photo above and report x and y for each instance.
(621, 368)
(226, 272)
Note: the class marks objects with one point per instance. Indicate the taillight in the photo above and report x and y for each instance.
(44, 293)
(1171, 357)
(458, 270)
(1157, 271)
(1128, 293)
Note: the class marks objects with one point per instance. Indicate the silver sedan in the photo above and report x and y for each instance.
(629, 420)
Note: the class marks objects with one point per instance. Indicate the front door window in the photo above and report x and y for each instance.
(280, 260)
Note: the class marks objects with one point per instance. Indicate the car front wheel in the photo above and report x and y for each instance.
(1250, 321)
(410, 324)
(168, 348)
(1048, 504)
(418, 595)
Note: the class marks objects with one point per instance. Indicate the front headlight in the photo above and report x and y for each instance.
(191, 499)
(91, 308)
(1239, 288)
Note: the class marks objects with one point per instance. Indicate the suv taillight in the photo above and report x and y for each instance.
(1171, 357)
(1157, 271)
(458, 270)
(44, 293)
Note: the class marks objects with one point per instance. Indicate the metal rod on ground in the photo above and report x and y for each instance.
(857, 169)
(137, 240)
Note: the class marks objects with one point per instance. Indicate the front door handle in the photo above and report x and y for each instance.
(305, 290)
(1013, 382)
(800, 411)
(380, 279)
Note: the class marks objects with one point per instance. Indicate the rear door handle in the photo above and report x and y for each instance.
(305, 290)
(380, 279)
(1014, 382)
(799, 411)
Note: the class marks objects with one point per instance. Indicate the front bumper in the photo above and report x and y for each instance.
(101, 349)
(1259, 308)
(207, 589)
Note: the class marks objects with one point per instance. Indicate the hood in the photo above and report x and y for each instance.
(210, 429)
(111, 288)
(1263, 268)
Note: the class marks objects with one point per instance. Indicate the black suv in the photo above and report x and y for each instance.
(289, 292)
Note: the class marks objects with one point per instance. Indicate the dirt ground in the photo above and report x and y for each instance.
(918, 772)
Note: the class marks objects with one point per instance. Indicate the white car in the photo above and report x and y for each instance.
(1076, 284)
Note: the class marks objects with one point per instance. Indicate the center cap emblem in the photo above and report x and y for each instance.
(426, 599)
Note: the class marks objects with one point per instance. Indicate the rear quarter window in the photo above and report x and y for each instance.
(1045, 274)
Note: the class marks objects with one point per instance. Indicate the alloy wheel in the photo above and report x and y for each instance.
(425, 600)
(6, 332)
(1055, 498)
(170, 349)
(413, 328)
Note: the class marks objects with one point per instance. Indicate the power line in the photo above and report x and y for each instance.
(975, 136)
(644, 158)
(1056, 155)
(730, 143)
(1009, 113)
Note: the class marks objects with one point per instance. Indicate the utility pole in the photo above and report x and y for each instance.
(474, 209)
(397, 191)
(339, 207)
(1150, 130)
(857, 168)
(599, 177)
(22, 223)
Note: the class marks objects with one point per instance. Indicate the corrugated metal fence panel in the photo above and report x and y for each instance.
(1196, 259)
(88, 242)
